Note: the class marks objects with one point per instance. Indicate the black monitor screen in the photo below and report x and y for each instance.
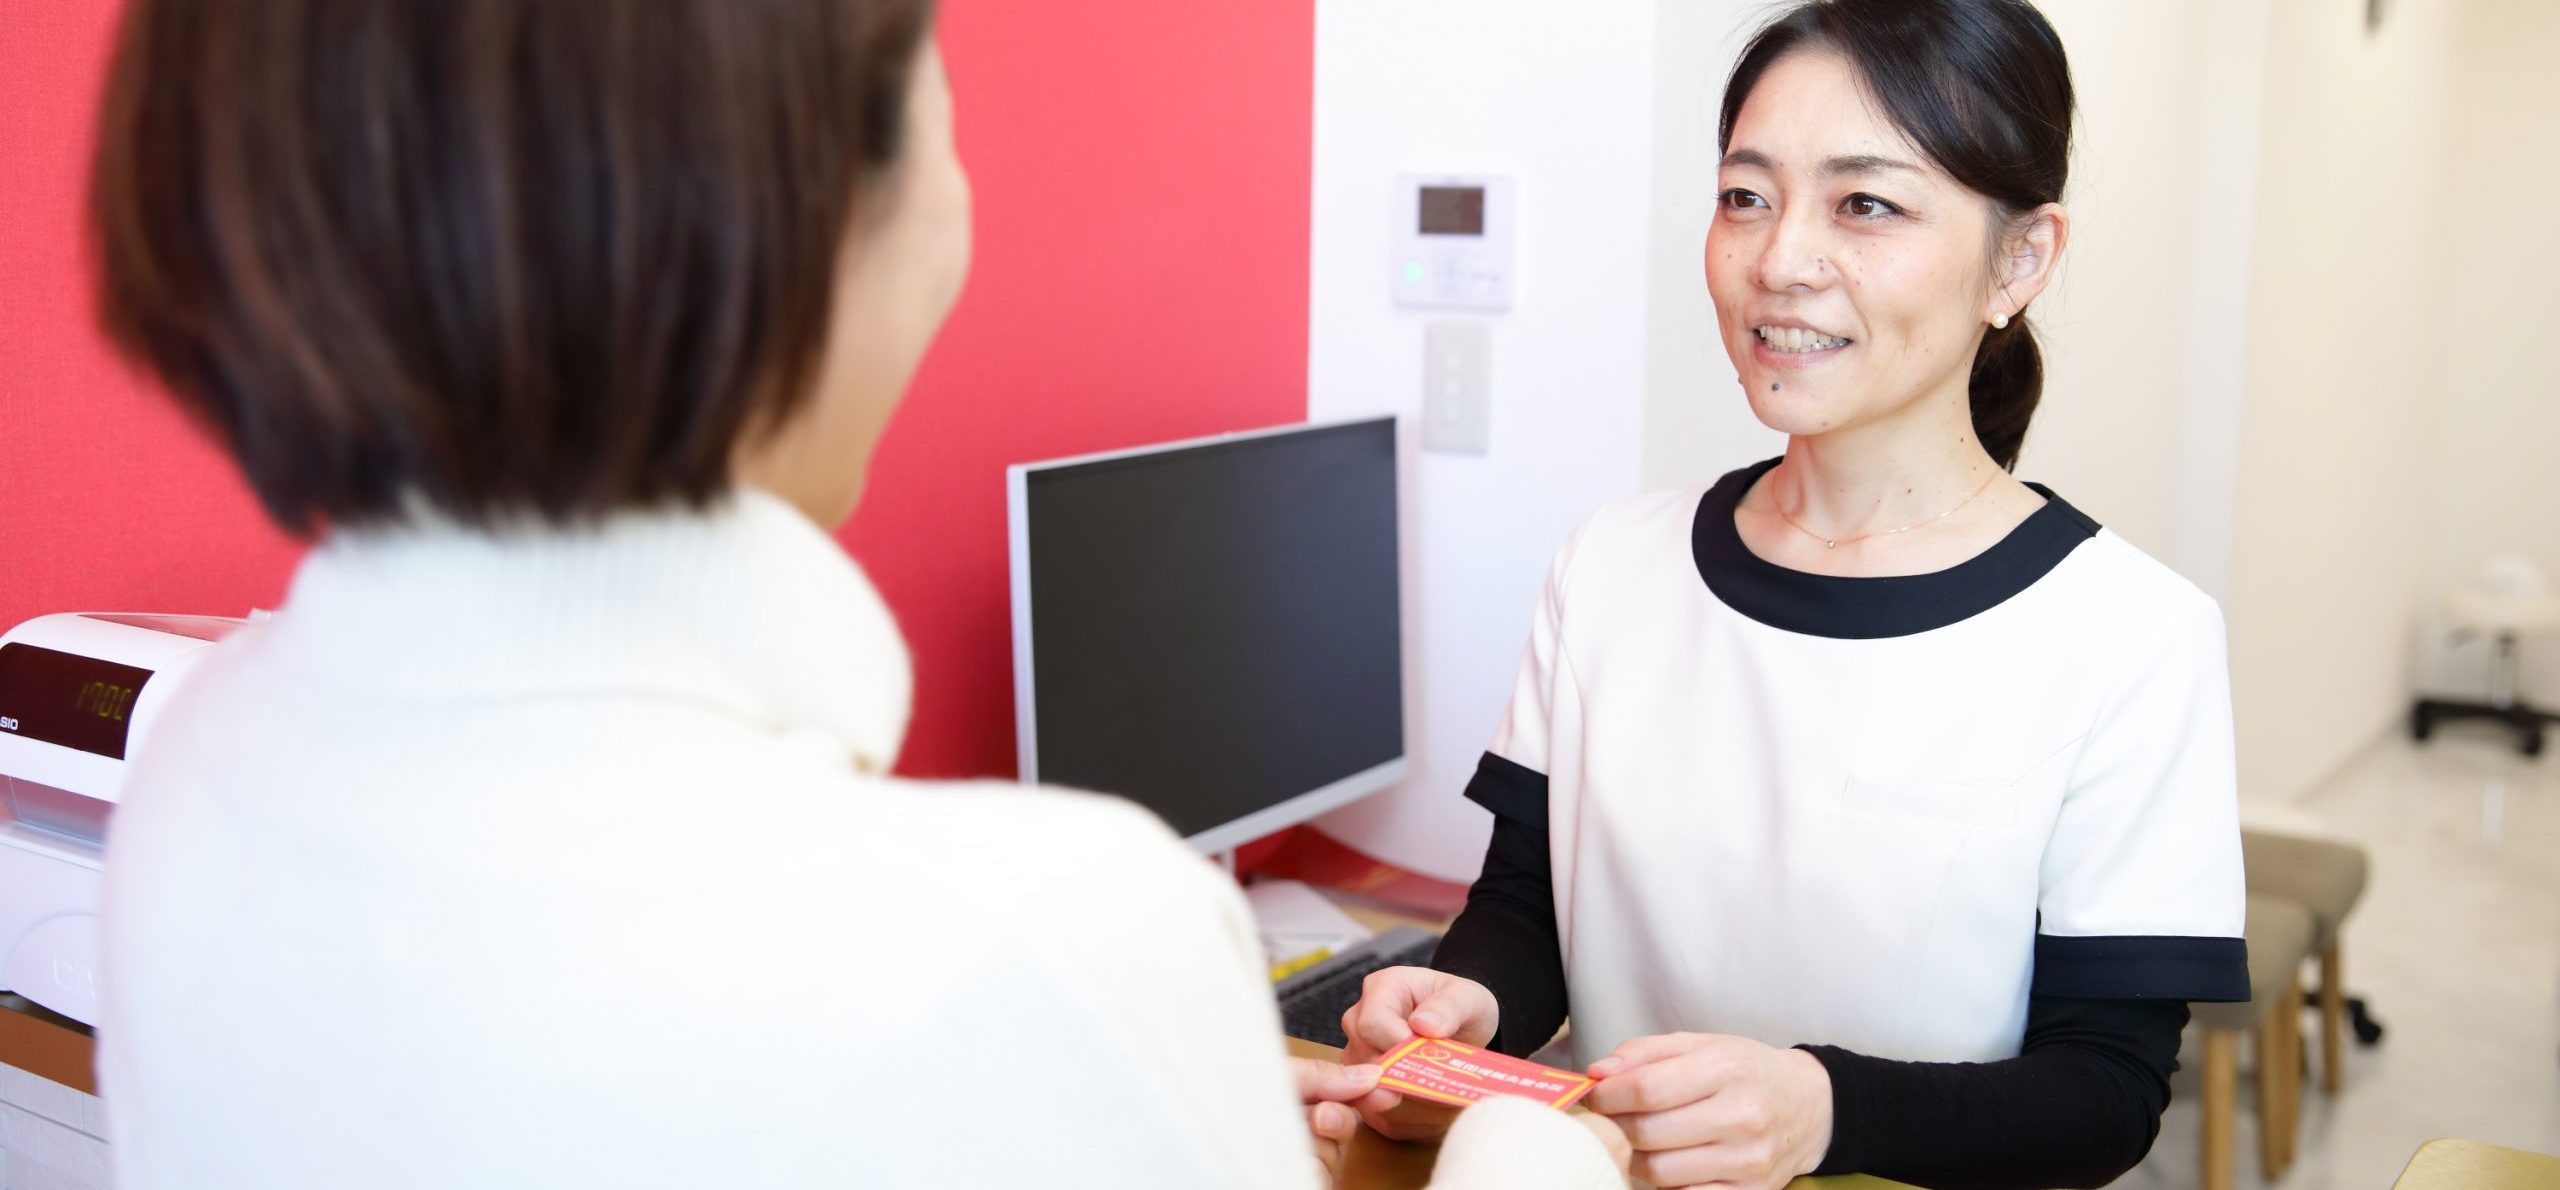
(1214, 628)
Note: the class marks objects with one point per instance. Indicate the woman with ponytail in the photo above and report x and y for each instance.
(1867, 810)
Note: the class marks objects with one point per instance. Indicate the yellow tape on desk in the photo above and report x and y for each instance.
(1288, 967)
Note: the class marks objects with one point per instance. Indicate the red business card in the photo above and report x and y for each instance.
(1453, 1073)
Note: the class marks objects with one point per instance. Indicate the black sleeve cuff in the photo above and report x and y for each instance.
(1850, 1108)
(2142, 967)
(2079, 1105)
(1506, 938)
(1512, 790)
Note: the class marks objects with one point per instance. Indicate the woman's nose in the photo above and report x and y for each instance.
(1795, 253)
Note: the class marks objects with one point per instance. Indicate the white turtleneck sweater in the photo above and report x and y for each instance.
(555, 859)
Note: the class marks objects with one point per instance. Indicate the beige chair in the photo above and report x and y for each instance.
(2326, 879)
(2279, 937)
(2470, 1165)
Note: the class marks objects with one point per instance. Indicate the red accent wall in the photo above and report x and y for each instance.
(1142, 173)
(108, 501)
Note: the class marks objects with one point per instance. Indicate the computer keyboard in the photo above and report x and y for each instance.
(1312, 1001)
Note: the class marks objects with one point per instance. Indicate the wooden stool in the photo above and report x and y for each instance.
(2279, 936)
(2326, 879)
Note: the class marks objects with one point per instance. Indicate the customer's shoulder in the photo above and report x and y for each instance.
(1099, 842)
(1010, 812)
(1100, 888)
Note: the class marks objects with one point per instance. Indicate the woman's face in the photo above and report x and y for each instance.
(902, 267)
(1852, 277)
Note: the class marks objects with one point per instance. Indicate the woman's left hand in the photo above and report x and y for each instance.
(1704, 1107)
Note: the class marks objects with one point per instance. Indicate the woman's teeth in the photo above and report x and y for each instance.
(1793, 338)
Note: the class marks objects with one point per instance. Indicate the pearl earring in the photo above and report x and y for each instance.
(1999, 322)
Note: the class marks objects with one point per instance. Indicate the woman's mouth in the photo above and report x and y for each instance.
(1795, 346)
(1796, 340)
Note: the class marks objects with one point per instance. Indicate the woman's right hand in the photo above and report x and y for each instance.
(1399, 1004)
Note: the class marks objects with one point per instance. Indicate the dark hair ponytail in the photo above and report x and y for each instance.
(2008, 381)
(1983, 88)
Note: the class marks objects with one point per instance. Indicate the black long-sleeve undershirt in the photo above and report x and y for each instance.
(1506, 938)
(2078, 1106)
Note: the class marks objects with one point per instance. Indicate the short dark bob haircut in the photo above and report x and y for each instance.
(499, 257)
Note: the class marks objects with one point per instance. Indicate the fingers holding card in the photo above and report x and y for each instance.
(1400, 1003)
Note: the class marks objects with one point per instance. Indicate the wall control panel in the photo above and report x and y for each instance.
(1453, 242)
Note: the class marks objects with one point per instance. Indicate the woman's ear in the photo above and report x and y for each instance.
(2029, 254)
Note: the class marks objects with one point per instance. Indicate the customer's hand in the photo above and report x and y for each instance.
(1399, 1004)
(1703, 1107)
(1334, 1095)
(1613, 1138)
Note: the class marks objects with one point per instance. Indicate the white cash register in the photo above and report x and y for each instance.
(79, 693)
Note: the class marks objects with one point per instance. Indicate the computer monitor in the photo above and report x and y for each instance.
(1211, 628)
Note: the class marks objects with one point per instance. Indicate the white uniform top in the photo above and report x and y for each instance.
(1872, 813)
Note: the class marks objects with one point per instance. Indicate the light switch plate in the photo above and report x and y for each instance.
(1457, 387)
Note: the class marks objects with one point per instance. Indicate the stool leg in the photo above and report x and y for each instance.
(2271, 1093)
(2221, 1099)
(2333, 1021)
(2292, 1071)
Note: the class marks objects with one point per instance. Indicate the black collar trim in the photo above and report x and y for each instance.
(1874, 608)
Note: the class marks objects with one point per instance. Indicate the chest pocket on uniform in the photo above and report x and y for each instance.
(1996, 805)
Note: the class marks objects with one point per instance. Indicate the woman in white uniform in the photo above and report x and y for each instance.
(1867, 809)
(548, 835)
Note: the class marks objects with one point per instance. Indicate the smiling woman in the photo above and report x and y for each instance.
(1854, 277)
(1912, 178)
(1868, 810)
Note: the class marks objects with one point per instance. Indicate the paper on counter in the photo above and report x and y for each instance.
(1293, 919)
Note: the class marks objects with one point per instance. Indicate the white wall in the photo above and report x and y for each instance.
(2356, 223)
(2230, 133)
(1697, 423)
(1565, 108)
(2114, 324)
(2498, 462)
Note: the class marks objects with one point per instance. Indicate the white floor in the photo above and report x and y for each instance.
(2456, 948)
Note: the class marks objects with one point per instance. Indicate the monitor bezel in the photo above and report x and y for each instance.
(1279, 815)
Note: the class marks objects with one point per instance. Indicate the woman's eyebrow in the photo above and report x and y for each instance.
(1859, 164)
(1865, 164)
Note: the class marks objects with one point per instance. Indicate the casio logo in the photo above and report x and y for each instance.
(73, 976)
(8, 724)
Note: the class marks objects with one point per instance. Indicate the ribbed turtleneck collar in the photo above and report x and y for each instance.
(747, 606)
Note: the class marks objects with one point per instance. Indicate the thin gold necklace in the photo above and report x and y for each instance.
(1835, 542)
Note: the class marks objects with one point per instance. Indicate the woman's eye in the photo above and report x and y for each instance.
(1868, 206)
(1738, 199)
